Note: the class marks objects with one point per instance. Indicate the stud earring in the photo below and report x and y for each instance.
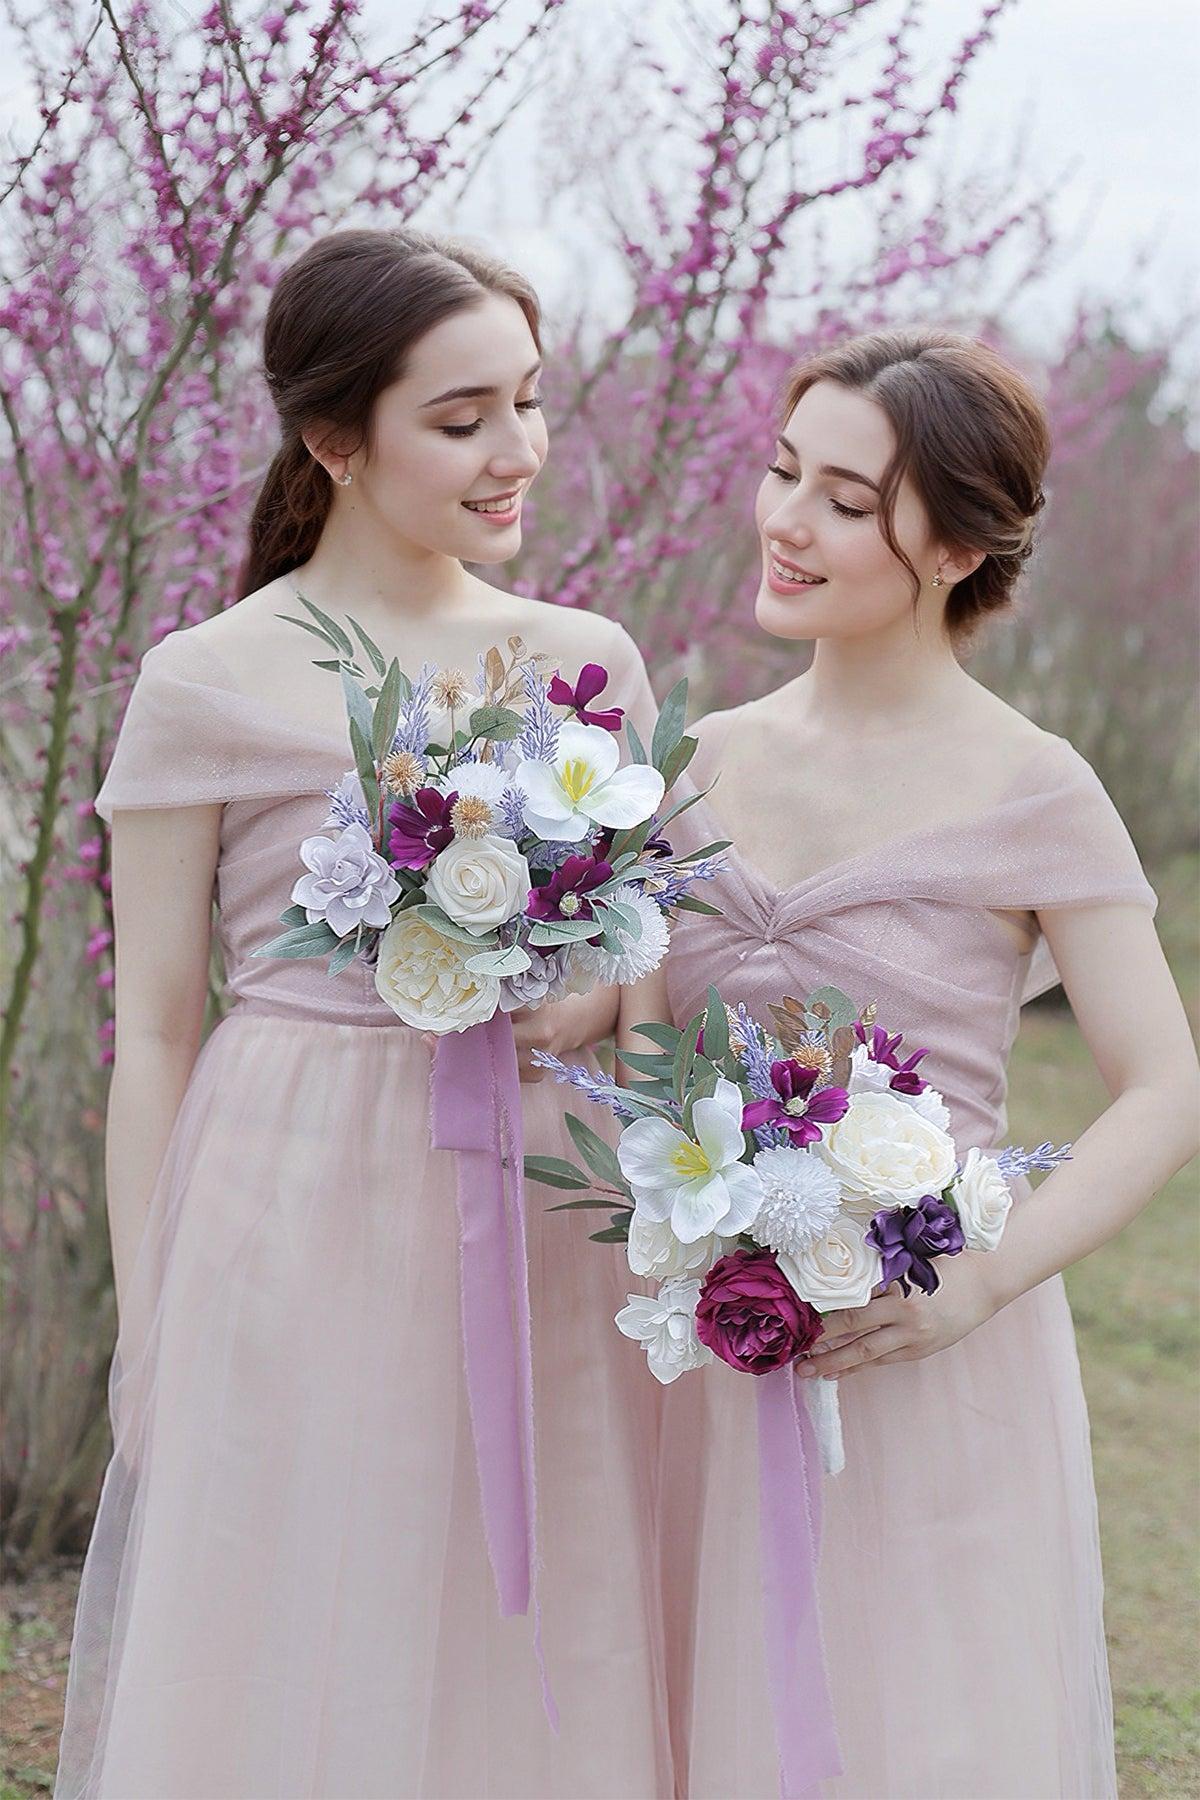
(346, 479)
(937, 580)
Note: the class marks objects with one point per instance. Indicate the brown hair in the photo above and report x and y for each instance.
(972, 436)
(340, 325)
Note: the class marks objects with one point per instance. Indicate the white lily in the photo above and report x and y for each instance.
(699, 1183)
(585, 786)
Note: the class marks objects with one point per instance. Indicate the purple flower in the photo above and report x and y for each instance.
(908, 1237)
(793, 1104)
(592, 678)
(349, 884)
(750, 1315)
(655, 845)
(882, 1049)
(420, 831)
(564, 895)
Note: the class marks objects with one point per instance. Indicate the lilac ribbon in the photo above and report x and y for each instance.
(476, 1112)
(789, 1490)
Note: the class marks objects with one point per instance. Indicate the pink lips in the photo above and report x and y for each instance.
(509, 516)
(797, 580)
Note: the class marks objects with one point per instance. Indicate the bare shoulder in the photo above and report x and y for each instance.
(566, 631)
(1008, 733)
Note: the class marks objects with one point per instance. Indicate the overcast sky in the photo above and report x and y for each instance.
(1101, 88)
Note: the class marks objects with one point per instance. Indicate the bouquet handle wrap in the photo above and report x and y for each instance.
(790, 1526)
(476, 1113)
(826, 1412)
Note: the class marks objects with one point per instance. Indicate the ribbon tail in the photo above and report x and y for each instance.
(476, 1112)
(790, 1529)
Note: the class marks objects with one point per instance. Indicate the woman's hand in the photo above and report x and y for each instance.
(563, 1026)
(891, 1328)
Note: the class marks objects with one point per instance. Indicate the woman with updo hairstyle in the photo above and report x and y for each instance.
(288, 1591)
(904, 835)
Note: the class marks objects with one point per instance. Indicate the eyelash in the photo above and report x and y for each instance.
(846, 512)
(462, 431)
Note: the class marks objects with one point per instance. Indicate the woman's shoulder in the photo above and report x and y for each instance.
(569, 631)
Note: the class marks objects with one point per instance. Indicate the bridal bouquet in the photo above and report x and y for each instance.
(764, 1181)
(483, 858)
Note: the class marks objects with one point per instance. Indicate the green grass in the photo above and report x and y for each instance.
(1135, 1304)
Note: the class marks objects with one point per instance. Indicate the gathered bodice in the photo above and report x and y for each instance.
(914, 926)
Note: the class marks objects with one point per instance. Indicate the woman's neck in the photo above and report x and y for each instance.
(362, 569)
(884, 681)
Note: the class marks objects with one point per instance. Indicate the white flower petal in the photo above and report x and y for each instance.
(718, 1131)
(644, 1152)
(628, 798)
(699, 1208)
(745, 1190)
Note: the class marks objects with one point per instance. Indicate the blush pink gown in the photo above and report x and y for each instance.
(288, 1593)
(960, 1570)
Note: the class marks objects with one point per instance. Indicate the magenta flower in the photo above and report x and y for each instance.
(883, 1049)
(564, 896)
(751, 1316)
(592, 679)
(420, 831)
(795, 1106)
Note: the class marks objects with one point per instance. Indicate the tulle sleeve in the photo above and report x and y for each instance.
(191, 737)
(1084, 856)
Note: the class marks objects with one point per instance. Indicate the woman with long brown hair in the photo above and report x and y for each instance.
(288, 1591)
(905, 835)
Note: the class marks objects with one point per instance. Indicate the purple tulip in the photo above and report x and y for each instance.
(795, 1106)
(420, 831)
(592, 678)
(883, 1049)
(576, 877)
(909, 1237)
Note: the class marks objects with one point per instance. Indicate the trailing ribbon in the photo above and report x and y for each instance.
(789, 1490)
(476, 1112)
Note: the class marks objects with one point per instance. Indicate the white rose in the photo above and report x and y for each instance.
(882, 1149)
(665, 1326)
(424, 978)
(983, 1199)
(480, 882)
(654, 1250)
(841, 1270)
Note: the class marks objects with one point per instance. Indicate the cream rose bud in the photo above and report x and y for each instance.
(983, 1199)
(480, 882)
(424, 978)
(882, 1149)
(654, 1250)
(842, 1269)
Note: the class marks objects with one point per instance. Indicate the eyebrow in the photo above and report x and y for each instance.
(833, 469)
(476, 393)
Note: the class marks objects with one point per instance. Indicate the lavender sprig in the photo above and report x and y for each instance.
(539, 740)
(412, 732)
(593, 1087)
(681, 877)
(512, 811)
(346, 805)
(1015, 1162)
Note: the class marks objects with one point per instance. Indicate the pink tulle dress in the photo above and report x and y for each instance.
(960, 1577)
(287, 1593)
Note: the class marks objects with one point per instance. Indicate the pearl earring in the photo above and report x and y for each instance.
(937, 580)
(346, 479)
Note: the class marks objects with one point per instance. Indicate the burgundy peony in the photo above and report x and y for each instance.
(751, 1316)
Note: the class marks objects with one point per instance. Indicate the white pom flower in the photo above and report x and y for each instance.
(639, 956)
(482, 780)
(665, 1326)
(801, 1199)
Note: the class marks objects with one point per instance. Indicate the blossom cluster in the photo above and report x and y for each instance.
(767, 1182)
(485, 859)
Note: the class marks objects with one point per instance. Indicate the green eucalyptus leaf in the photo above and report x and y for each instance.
(666, 1036)
(372, 649)
(555, 1171)
(498, 724)
(544, 932)
(387, 713)
(513, 959)
(716, 1029)
(441, 922)
(303, 940)
(600, 1157)
(613, 1234)
(678, 760)
(637, 752)
(669, 729)
(689, 903)
(364, 762)
(625, 918)
(331, 627)
(343, 955)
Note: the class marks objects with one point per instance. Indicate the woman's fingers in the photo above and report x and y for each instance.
(873, 1347)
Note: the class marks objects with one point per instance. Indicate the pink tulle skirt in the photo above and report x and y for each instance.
(288, 1592)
